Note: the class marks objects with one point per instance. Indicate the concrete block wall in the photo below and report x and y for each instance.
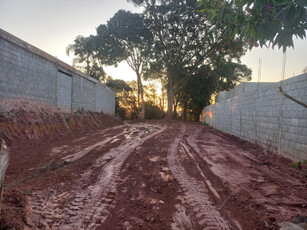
(25, 75)
(264, 116)
(84, 94)
(242, 88)
(64, 91)
(294, 117)
(110, 101)
(30, 73)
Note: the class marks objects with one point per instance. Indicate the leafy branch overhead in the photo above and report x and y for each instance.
(267, 22)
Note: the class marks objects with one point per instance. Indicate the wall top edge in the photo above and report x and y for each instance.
(23, 44)
(249, 87)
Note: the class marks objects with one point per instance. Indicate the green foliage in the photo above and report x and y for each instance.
(127, 102)
(86, 59)
(267, 22)
(184, 40)
(47, 165)
(83, 48)
(172, 41)
(25, 192)
(299, 164)
(152, 111)
(228, 74)
(123, 93)
(129, 30)
(196, 94)
(97, 72)
(117, 85)
(126, 105)
(132, 37)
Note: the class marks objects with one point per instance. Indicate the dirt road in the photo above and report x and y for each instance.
(169, 175)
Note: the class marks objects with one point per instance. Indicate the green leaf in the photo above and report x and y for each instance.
(234, 32)
(211, 36)
(302, 3)
(262, 4)
(260, 33)
(281, 3)
(298, 12)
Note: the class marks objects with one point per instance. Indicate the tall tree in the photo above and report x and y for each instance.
(86, 59)
(183, 42)
(93, 52)
(128, 30)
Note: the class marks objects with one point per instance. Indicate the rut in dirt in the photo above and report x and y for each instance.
(196, 196)
(85, 207)
(172, 176)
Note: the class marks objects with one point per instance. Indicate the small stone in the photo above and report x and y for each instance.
(299, 219)
(289, 226)
(303, 225)
(266, 224)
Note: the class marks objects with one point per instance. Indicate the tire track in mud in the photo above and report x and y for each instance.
(251, 176)
(82, 153)
(208, 217)
(88, 207)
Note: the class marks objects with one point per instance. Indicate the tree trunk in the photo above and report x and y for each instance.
(170, 98)
(142, 95)
(138, 82)
(196, 116)
(175, 109)
(162, 97)
(142, 98)
(185, 112)
(185, 108)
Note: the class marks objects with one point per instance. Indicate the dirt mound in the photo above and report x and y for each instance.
(30, 125)
(25, 120)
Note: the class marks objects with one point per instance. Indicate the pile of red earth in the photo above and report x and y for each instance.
(29, 124)
(32, 121)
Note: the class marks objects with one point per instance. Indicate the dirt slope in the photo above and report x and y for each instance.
(151, 175)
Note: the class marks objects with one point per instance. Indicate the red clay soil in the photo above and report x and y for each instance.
(150, 175)
(31, 121)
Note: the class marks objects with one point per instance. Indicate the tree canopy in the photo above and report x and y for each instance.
(129, 31)
(267, 22)
(183, 42)
(86, 59)
(174, 43)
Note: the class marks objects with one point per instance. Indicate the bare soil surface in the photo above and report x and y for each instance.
(150, 175)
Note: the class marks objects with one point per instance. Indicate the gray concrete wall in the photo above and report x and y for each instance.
(64, 91)
(84, 96)
(242, 88)
(25, 75)
(264, 116)
(28, 72)
(106, 97)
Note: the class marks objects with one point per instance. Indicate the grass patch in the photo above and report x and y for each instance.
(47, 165)
(25, 192)
(299, 164)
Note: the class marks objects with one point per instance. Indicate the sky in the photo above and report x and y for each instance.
(52, 25)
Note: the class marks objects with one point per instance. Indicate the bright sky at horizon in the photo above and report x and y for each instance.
(52, 25)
